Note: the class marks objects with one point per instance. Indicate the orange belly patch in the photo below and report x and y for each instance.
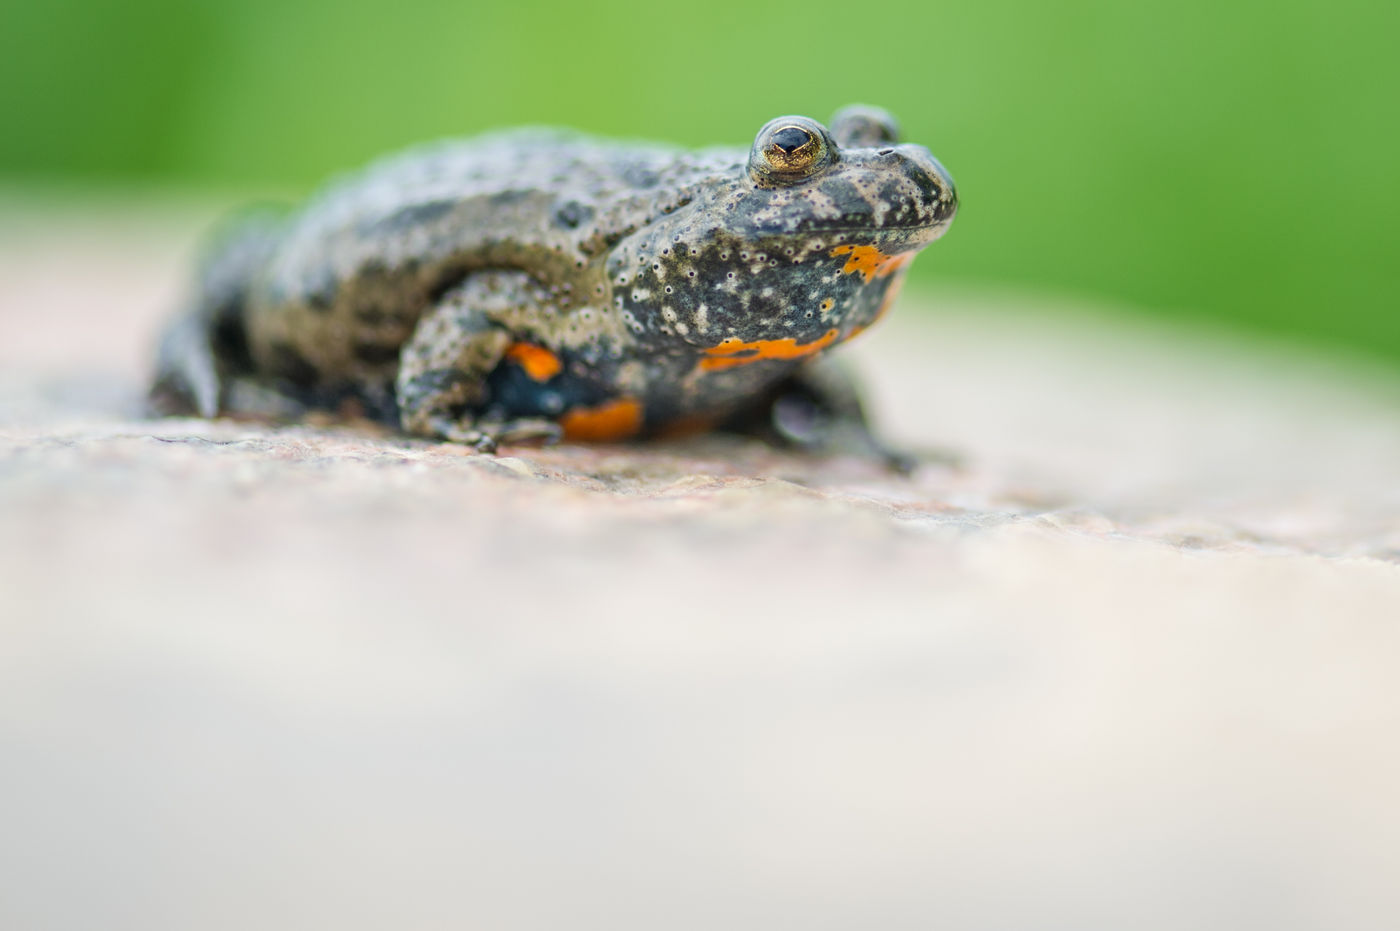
(615, 420)
(734, 351)
(538, 362)
(870, 261)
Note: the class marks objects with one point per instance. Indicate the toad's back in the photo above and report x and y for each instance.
(347, 279)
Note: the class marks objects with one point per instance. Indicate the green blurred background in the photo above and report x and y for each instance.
(1229, 161)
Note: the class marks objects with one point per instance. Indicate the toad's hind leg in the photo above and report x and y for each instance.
(441, 386)
(207, 345)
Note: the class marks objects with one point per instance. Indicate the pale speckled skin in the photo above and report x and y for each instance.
(404, 286)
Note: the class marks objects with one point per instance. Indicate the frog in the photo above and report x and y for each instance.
(539, 285)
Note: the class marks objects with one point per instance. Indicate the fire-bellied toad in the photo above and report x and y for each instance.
(539, 284)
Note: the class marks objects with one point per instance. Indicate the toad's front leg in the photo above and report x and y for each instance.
(443, 368)
(818, 409)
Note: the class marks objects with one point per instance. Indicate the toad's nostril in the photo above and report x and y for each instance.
(885, 152)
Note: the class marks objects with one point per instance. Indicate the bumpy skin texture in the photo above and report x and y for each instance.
(533, 283)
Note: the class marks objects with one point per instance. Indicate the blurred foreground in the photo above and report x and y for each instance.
(1131, 665)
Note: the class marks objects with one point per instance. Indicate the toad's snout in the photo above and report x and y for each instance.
(932, 191)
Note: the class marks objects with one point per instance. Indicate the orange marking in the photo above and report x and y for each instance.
(538, 362)
(727, 354)
(615, 420)
(870, 261)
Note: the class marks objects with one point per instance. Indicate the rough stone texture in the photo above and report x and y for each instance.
(1131, 664)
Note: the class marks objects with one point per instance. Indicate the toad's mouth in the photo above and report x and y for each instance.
(901, 236)
(892, 228)
(926, 230)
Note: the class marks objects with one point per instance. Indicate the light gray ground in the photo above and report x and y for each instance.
(1133, 664)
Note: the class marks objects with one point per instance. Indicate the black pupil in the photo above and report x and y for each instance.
(791, 138)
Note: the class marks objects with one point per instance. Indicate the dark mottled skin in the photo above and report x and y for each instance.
(655, 288)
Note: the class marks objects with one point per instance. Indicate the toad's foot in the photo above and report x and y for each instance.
(487, 436)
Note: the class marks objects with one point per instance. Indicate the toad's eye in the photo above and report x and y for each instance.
(792, 139)
(789, 149)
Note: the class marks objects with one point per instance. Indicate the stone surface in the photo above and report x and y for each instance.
(1131, 663)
